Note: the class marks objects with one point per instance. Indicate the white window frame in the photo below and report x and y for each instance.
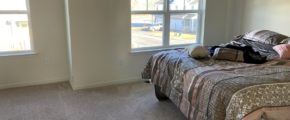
(166, 12)
(22, 52)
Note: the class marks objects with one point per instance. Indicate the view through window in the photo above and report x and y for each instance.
(14, 26)
(164, 23)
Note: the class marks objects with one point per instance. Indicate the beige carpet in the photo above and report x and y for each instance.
(58, 102)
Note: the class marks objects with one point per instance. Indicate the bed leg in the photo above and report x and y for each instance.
(159, 95)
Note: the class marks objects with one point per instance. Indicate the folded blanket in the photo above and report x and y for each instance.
(228, 54)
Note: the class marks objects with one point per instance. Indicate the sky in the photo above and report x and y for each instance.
(13, 5)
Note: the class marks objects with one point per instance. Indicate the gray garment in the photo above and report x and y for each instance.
(264, 49)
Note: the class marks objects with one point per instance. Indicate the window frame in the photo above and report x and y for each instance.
(166, 12)
(22, 12)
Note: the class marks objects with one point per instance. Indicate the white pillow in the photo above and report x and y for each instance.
(197, 51)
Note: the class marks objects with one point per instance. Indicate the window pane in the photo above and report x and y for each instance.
(146, 5)
(13, 5)
(146, 30)
(183, 28)
(183, 4)
(137, 5)
(14, 32)
(155, 5)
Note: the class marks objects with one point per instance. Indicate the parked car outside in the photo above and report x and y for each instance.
(155, 27)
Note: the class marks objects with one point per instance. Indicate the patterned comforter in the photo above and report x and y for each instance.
(219, 90)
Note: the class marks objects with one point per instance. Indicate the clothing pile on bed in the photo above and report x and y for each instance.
(256, 47)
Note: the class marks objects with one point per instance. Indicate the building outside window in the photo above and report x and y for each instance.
(159, 24)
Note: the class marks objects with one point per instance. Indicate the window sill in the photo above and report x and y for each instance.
(18, 53)
(158, 49)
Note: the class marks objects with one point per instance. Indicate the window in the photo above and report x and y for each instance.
(164, 23)
(14, 26)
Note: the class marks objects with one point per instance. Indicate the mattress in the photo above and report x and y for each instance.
(219, 90)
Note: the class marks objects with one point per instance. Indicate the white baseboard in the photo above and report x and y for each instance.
(31, 83)
(95, 84)
(86, 85)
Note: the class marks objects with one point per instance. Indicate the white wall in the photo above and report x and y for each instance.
(50, 63)
(235, 18)
(100, 31)
(265, 14)
(216, 22)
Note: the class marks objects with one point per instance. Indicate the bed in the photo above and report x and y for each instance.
(210, 89)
